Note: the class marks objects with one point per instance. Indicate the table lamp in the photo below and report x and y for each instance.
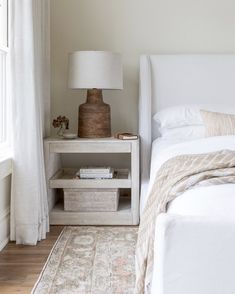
(95, 71)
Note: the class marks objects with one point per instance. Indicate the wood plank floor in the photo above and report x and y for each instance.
(20, 265)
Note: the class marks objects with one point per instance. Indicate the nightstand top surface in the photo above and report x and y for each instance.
(95, 140)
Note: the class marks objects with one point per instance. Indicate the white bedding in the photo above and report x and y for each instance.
(193, 255)
(208, 201)
(194, 240)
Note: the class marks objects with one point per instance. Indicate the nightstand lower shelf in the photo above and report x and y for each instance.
(66, 178)
(121, 217)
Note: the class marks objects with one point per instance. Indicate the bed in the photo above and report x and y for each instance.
(195, 239)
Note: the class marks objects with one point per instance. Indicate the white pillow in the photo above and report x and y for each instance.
(186, 115)
(184, 133)
(178, 116)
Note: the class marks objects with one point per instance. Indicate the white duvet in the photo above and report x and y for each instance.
(209, 201)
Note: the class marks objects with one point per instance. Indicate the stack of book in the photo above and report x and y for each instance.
(95, 172)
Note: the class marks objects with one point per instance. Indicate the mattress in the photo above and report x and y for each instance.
(218, 201)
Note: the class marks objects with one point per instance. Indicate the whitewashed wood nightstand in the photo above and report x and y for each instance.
(59, 177)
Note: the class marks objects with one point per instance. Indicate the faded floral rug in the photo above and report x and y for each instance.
(97, 260)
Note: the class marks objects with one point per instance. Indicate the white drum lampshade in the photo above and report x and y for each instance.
(95, 71)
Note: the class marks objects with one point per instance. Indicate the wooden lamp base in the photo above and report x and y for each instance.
(94, 116)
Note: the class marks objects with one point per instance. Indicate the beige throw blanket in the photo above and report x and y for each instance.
(174, 177)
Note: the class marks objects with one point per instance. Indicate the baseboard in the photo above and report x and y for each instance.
(4, 242)
(5, 171)
(4, 224)
(6, 168)
(5, 214)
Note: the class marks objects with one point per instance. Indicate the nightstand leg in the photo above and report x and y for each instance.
(135, 183)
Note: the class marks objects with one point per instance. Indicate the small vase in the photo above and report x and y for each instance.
(60, 131)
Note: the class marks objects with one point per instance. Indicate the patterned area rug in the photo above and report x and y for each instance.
(97, 260)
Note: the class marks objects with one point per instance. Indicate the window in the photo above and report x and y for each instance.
(4, 50)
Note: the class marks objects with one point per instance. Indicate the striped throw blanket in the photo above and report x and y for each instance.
(174, 177)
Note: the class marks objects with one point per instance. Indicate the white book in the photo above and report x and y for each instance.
(95, 170)
(92, 176)
(96, 175)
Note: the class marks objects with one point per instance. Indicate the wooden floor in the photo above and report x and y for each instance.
(21, 265)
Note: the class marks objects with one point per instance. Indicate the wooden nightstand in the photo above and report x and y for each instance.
(60, 177)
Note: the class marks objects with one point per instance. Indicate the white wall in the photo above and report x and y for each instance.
(5, 184)
(132, 27)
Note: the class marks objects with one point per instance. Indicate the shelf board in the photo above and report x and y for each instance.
(65, 178)
(121, 217)
(105, 145)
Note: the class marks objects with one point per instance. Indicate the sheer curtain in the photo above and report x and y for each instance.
(29, 57)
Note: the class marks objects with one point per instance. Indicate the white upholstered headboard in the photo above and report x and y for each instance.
(168, 80)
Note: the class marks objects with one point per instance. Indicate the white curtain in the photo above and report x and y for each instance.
(29, 58)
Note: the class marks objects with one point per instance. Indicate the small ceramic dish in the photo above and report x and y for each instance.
(69, 136)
